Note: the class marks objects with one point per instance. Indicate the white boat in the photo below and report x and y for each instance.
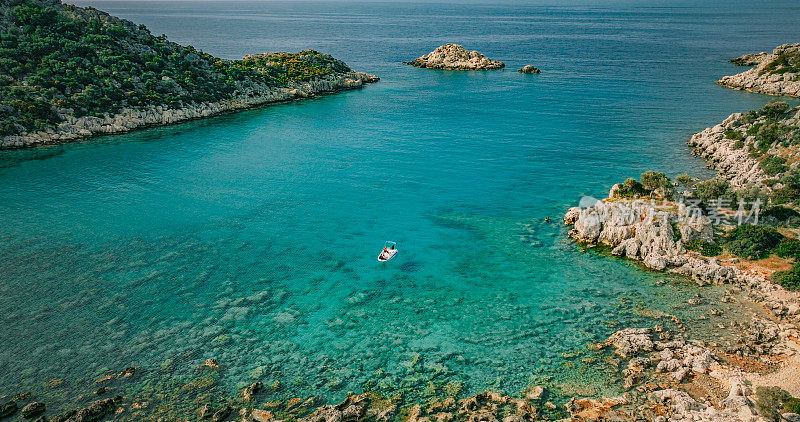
(388, 252)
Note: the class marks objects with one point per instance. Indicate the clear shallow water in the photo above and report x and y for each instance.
(251, 238)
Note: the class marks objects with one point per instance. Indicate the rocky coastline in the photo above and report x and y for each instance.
(774, 74)
(129, 119)
(455, 57)
(707, 381)
(728, 147)
(674, 376)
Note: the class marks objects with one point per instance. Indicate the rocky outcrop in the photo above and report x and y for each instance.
(753, 59)
(654, 362)
(640, 229)
(655, 234)
(455, 57)
(529, 69)
(252, 96)
(766, 78)
(735, 164)
(731, 157)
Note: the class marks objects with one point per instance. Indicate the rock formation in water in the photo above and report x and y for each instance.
(776, 74)
(112, 76)
(455, 57)
(529, 69)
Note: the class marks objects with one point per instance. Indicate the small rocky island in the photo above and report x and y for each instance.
(112, 76)
(777, 73)
(455, 57)
(529, 69)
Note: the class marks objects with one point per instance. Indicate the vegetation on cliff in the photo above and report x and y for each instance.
(787, 61)
(60, 60)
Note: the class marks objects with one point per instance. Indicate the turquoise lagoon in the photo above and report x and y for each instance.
(252, 238)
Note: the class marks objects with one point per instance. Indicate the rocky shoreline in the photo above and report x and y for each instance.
(732, 158)
(656, 233)
(254, 96)
(772, 75)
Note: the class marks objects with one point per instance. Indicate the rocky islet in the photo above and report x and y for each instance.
(455, 57)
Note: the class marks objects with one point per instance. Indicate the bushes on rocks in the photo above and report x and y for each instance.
(705, 248)
(733, 134)
(752, 242)
(653, 183)
(58, 60)
(780, 213)
(790, 279)
(772, 165)
(788, 248)
(631, 188)
(789, 62)
(657, 183)
(684, 180)
(714, 188)
(772, 401)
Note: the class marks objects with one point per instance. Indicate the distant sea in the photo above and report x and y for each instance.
(252, 238)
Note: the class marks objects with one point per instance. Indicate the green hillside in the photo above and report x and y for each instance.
(58, 60)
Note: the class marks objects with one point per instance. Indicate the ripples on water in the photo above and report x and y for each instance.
(251, 238)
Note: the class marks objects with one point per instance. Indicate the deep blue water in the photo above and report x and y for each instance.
(251, 238)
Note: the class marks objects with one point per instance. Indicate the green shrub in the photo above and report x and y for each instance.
(738, 144)
(733, 134)
(792, 405)
(714, 188)
(748, 194)
(788, 248)
(657, 183)
(770, 401)
(780, 213)
(705, 248)
(767, 134)
(790, 279)
(631, 189)
(787, 62)
(790, 193)
(773, 165)
(752, 242)
(774, 109)
(684, 180)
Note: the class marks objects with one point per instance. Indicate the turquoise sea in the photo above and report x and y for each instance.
(252, 238)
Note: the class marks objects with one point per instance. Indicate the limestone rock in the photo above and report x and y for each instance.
(455, 57)
(630, 342)
(529, 69)
(760, 79)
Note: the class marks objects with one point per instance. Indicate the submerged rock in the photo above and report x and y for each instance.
(222, 414)
(33, 409)
(529, 69)
(94, 412)
(8, 409)
(251, 390)
(455, 57)
(353, 408)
